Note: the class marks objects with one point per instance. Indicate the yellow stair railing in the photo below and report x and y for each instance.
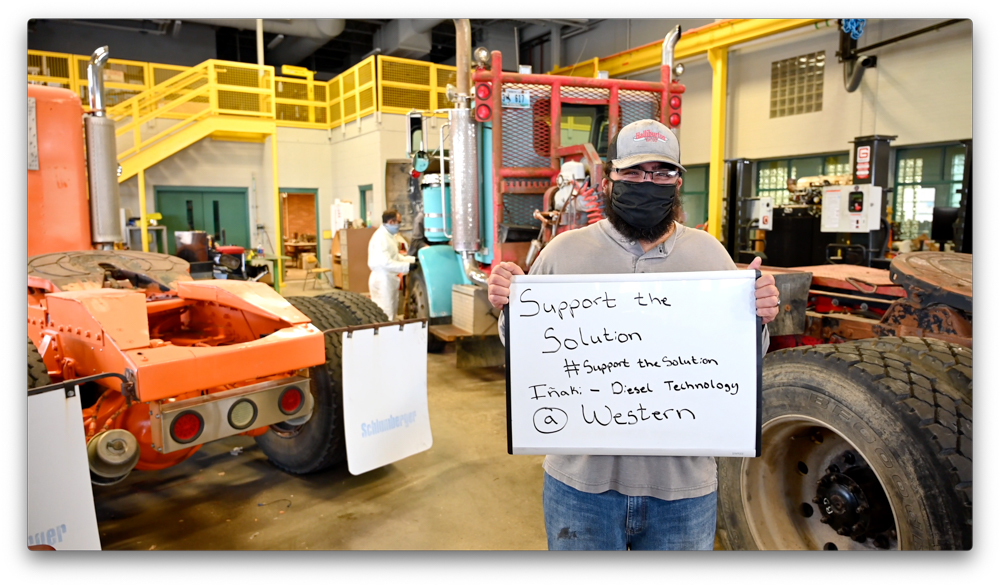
(232, 97)
(161, 109)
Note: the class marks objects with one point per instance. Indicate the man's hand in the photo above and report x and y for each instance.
(498, 291)
(767, 294)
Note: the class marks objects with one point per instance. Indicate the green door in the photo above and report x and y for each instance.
(218, 211)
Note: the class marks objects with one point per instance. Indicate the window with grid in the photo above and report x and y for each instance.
(797, 84)
(694, 195)
(773, 175)
(926, 178)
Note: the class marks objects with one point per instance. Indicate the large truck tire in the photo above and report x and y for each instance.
(864, 445)
(417, 305)
(317, 443)
(38, 374)
(356, 307)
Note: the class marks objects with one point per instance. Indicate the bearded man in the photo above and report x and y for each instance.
(599, 502)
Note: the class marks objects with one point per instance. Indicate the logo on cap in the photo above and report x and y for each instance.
(649, 136)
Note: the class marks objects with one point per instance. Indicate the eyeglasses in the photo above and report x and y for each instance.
(636, 175)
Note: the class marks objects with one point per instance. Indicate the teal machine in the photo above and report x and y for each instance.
(441, 266)
(453, 186)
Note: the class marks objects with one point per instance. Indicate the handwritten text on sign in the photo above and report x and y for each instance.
(635, 364)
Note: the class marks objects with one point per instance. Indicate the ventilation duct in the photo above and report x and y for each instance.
(303, 36)
(409, 38)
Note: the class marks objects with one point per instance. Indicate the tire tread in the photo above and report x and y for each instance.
(933, 380)
(38, 374)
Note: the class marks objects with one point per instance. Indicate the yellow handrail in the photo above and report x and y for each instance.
(213, 88)
(294, 99)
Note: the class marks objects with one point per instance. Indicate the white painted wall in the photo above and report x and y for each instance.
(921, 91)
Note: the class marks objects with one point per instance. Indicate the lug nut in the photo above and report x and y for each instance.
(861, 508)
(824, 519)
(842, 531)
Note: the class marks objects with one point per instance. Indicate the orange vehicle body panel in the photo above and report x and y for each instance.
(107, 330)
(243, 295)
(169, 370)
(59, 214)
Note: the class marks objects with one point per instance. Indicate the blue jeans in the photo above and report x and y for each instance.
(576, 520)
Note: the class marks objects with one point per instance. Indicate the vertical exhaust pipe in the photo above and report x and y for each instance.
(465, 160)
(463, 59)
(102, 160)
(669, 42)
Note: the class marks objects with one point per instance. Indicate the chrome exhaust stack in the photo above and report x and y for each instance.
(669, 42)
(465, 161)
(102, 160)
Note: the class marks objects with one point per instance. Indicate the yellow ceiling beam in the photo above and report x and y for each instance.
(717, 35)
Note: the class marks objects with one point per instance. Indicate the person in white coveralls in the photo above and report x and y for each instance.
(386, 263)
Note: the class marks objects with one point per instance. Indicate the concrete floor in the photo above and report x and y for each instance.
(464, 493)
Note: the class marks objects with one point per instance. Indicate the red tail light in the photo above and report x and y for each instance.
(187, 427)
(291, 401)
(483, 91)
(483, 112)
(675, 102)
(675, 120)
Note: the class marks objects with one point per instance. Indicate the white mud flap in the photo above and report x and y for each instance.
(385, 394)
(60, 498)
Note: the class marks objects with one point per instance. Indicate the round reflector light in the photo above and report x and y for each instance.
(483, 112)
(483, 91)
(242, 414)
(187, 427)
(675, 119)
(290, 401)
(675, 101)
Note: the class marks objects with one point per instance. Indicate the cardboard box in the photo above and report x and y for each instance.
(471, 310)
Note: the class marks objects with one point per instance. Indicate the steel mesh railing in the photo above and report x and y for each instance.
(405, 85)
(383, 84)
(526, 138)
(637, 105)
(51, 69)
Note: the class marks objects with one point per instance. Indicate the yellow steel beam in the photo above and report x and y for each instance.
(724, 33)
(279, 273)
(142, 212)
(718, 58)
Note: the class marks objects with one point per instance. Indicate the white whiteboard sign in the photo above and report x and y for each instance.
(60, 498)
(634, 364)
(385, 395)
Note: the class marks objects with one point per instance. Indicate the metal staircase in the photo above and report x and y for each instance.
(215, 98)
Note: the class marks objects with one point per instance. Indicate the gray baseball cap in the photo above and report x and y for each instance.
(644, 141)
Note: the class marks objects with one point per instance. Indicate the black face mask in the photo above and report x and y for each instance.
(643, 205)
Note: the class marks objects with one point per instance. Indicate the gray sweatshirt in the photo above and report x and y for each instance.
(600, 248)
